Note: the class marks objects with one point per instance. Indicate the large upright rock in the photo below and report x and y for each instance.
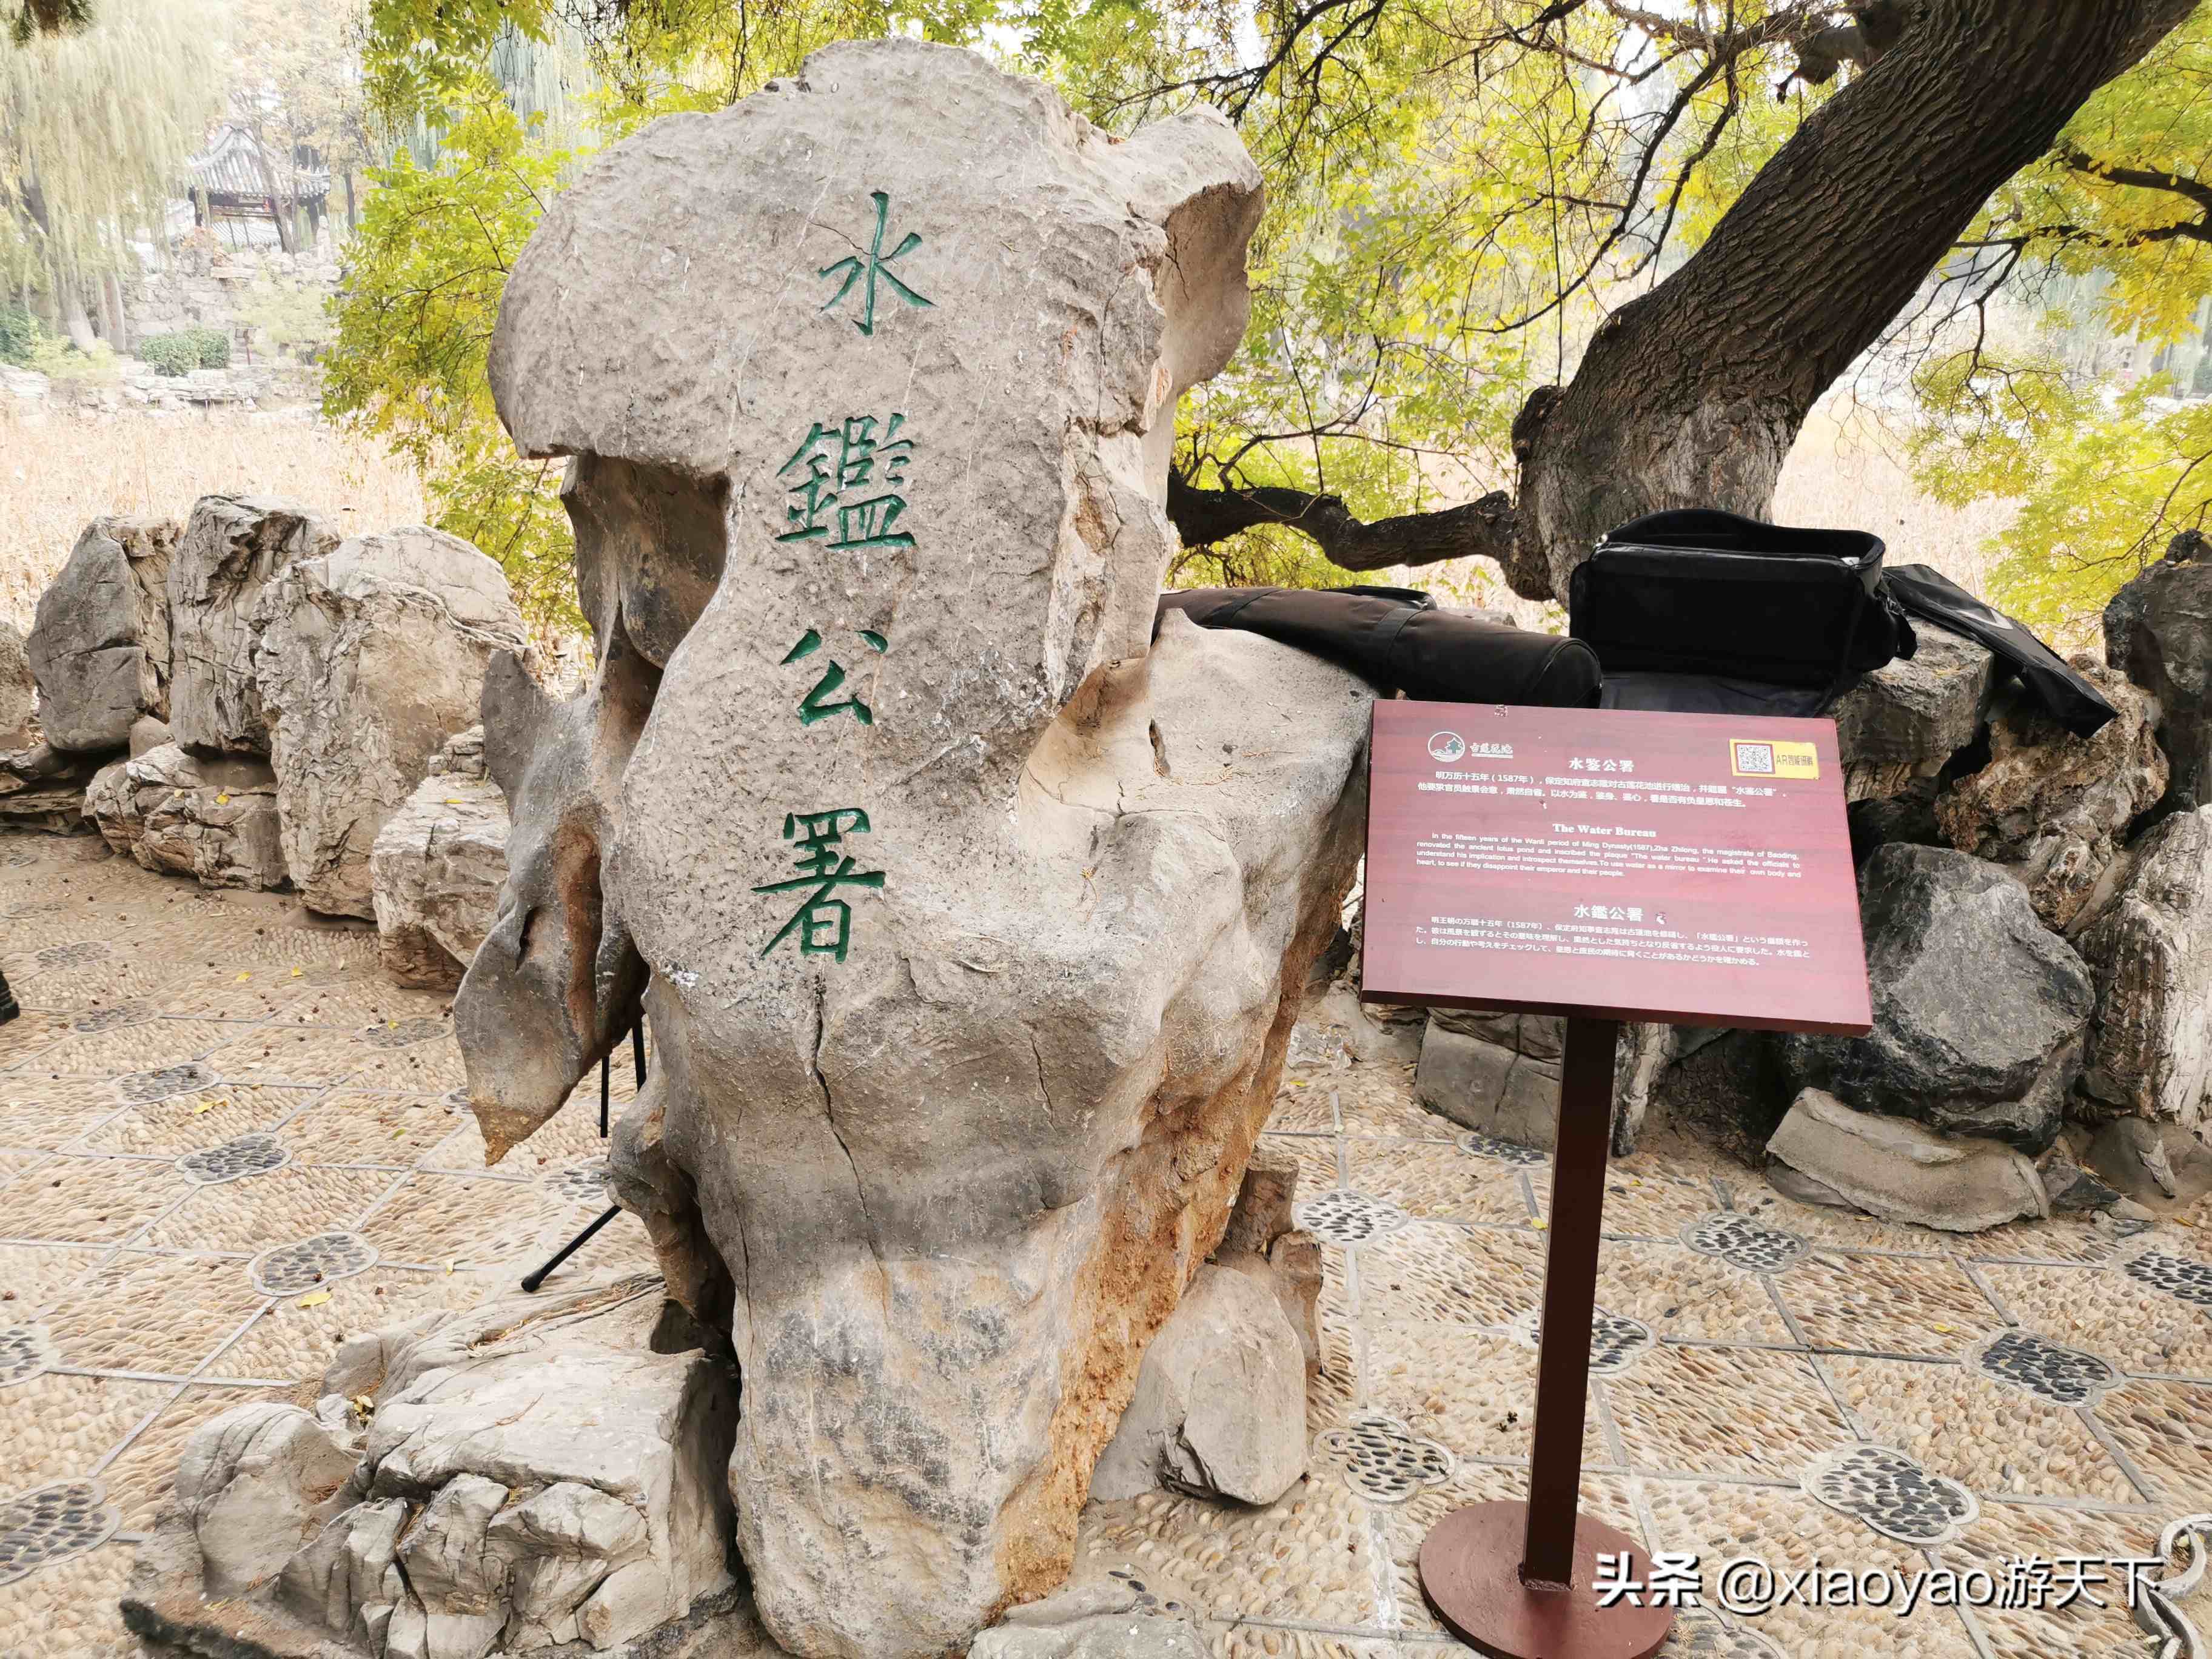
(99, 646)
(974, 917)
(19, 689)
(211, 819)
(437, 866)
(368, 657)
(2150, 946)
(2158, 632)
(233, 547)
(1978, 1010)
(2053, 807)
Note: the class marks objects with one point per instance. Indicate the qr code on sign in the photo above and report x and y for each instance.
(1757, 758)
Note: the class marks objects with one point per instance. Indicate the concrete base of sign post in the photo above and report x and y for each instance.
(1471, 1574)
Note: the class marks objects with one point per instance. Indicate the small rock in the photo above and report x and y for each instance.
(1103, 1621)
(1904, 1172)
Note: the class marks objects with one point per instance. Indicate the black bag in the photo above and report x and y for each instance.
(1745, 605)
(2071, 700)
(1398, 639)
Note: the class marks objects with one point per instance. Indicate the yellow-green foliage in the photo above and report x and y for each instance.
(2104, 475)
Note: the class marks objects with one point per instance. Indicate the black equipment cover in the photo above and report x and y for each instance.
(1748, 606)
(2071, 700)
(1398, 639)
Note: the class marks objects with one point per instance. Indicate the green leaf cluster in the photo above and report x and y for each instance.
(186, 350)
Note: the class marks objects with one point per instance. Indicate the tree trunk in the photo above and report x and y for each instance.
(353, 211)
(75, 322)
(111, 297)
(1693, 394)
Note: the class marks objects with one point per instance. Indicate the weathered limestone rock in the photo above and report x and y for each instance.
(1219, 1408)
(1335, 1024)
(147, 733)
(532, 1474)
(1726, 1087)
(2158, 632)
(1262, 1239)
(1978, 1010)
(257, 1483)
(2152, 1162)
(2052, 807)
(368, 657)
(19, 689)
(2150, 947)
(974, 918)
(43, 788)
(437, 866)
(233, 546)
(1903, 720)
(1497, 1073)
(1903, 1172)
(1104, 1620)
(100, 643)
(214, 818)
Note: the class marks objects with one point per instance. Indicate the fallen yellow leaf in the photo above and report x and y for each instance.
(296, 972)
(242, 978)
(223, 800)
(453, 800)
(204, 1106)
(1539, 1225)
(315, 1299)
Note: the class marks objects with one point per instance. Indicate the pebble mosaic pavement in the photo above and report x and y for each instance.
(226, 1140)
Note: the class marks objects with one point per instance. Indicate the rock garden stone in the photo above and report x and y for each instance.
(1219, 1408)
(1496, 1073)
(43, 788)
(437, 866)
(1905, 720)
(2150, 947)
(974, 917)
(99, 645)
(2158, 632)
(232, 548)
(1905, 1171)
(1979, 1010)
(211, 819)
(19, 690)
(510, 1488)
(368, 657)
(2054, 808)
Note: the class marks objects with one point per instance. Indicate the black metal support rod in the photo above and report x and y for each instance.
(533, 1280)
(1555, 1470)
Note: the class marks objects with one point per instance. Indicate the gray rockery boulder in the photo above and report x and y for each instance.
(99, 645)
(2052, 807)
(437, 866)
(1905, 1171)
(1497, 1073)
(1899, 724)
(232, 548)
(2150, 947)
(971, 919)
(2158, 632)
(214, 818)
(367, 659)
(19, 690)
(1979, 1011)
(532, 1475)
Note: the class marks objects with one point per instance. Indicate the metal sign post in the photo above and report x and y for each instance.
(1606, 866)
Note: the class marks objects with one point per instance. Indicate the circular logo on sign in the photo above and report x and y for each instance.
(1447, 746)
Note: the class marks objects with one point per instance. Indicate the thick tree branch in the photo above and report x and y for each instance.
(1483, 528)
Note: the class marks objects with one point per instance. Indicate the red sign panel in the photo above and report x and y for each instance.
(1689, 868)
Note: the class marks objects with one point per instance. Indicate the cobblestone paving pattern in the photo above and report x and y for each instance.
(226, 1140)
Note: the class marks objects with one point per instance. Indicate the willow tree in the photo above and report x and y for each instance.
(95, 126)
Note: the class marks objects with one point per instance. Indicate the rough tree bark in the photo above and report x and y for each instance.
(1693, 394)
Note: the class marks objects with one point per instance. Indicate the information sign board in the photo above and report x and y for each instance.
(1689, 868)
